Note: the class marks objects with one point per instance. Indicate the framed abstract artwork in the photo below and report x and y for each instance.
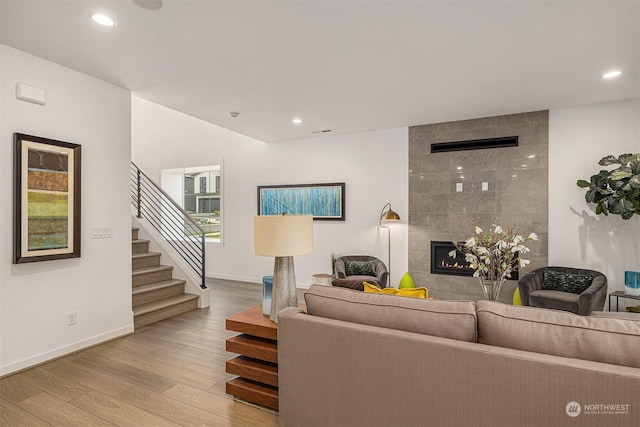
(323, 201)
(46, 199)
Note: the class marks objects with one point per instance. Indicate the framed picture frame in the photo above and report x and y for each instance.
(323, 201)
(46, 181)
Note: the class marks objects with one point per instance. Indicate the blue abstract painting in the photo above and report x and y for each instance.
(323, 201)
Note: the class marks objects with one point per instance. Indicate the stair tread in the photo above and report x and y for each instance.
(140, 241)
(156, 285)
(163, 303)
(144, 270)
(145, 255)
(135, 229)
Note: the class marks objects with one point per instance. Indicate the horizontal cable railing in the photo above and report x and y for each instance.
(176, 226)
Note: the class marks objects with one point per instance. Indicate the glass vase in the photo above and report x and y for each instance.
(491, 287)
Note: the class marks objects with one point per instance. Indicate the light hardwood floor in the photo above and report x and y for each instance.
(166, 374)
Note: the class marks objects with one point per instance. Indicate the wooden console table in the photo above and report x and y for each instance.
(257, 365)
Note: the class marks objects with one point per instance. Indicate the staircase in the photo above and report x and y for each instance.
(156, 295)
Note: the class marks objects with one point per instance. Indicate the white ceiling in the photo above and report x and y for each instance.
(348, 66)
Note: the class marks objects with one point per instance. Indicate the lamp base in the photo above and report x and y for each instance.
(284, 286)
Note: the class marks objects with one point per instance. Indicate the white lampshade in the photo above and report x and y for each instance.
(282, 235)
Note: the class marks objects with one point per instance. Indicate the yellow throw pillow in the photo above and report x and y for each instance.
(411, 292)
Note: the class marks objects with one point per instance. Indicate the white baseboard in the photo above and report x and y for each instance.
(254, 280)
(63, 351)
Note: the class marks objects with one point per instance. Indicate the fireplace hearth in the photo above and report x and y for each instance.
(442, 263)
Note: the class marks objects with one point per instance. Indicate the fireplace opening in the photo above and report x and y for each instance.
(442, 263)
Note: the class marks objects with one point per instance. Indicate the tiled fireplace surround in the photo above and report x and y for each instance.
(517, 193)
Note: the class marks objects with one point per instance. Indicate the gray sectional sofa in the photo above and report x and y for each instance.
(358, 359)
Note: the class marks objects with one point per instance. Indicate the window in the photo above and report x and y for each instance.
(198, 191)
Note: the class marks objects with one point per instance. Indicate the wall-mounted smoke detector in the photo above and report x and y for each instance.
(233, 114)
(322, 131)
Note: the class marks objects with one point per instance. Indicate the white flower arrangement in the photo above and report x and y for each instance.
(494, 254)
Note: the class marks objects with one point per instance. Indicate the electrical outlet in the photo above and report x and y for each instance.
(458, 187)
(485, 186)
(72, 318)
(591, 231)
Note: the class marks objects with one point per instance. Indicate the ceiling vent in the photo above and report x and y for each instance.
(475, 144)
(322, 131)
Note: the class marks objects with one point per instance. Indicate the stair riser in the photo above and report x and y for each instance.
(165, 313)
(148, 261)
(139, 247)
(134, 234)
(154, 276)
(159, 294)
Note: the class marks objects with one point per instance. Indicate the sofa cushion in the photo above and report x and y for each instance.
(599, 339)
(360, 268)
(408, 292)
(565, 282)
(448, 319)
(349, 283)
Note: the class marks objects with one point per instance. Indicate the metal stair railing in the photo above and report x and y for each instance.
(174, 224)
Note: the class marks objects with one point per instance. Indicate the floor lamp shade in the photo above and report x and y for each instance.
(283, 237)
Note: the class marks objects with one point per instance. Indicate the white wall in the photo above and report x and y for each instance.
(578, 138)
(36, 297)
(374, 166)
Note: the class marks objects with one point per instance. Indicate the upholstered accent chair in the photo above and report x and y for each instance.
(362, 268)
(564, 288)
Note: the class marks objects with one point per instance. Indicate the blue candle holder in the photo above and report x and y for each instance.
(267, 288)
(632, 283)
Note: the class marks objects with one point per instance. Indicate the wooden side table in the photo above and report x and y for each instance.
(257, 365)
(322, 279)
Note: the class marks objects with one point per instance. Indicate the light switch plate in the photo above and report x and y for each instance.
(458, 187)
(485, 186)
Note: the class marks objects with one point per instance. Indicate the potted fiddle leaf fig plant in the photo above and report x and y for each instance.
(615, 191)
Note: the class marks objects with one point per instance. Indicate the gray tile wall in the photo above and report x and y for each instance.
(517, 194)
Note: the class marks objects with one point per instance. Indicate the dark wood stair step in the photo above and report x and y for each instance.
(147, 259)
(167, 307)
(143, 276)
(155, 291)
(139, 246)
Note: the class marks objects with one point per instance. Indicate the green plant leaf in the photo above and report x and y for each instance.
(619, 174)
(635, 181)
(583, 184)
(609, 160)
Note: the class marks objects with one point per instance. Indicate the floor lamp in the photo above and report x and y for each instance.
(283, 237)
(388, 215)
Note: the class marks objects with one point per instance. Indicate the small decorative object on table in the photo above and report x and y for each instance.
(632, 283)
(267, 287)
(493, 255)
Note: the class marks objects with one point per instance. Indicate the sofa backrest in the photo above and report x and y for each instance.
(599, 339)
(447, 319)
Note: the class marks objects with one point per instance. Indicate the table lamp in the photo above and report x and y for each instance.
(283, 237)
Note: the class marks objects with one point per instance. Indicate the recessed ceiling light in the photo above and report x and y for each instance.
(611, 74)
(524, 166)
(459, 168)
(297, 121)
(531, 156)
(233, 114)
(103, 20)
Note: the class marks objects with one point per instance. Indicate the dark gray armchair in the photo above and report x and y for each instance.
(563, 288)
(362, 267)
